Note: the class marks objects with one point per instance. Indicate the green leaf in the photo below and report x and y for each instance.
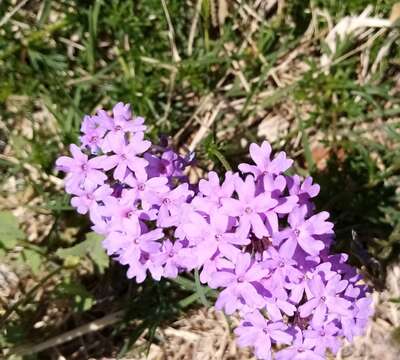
(97, 253)
(200, 290)
(90, 247)
(33, 259)
(79, 250)
(82, 298)
(10, 232)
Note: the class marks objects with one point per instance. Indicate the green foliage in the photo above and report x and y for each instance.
(33, 259)
(10, 232)
(91, 247)
(353, 6)
(82, 299)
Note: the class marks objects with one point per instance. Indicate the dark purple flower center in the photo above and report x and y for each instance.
(117, 190)
(248, 210)
(166, 201)
(93, 139)
(141, 187)
(130, 213)
(84, 167)
(240, 279)
(296, 232)
(323, 298)
(218, 237)
(300, 349)
(258, 246)
(118, 128)
(123, 157)
(281, 263)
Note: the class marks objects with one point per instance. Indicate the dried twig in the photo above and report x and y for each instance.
(95, 325)
(171, 33)
(204, 127)
(10, 14)
(350, 25)
(193, 27)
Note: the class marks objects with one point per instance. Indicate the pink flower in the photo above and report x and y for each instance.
(80, 170)
(261, 155)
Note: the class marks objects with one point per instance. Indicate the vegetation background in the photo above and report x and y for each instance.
(317, 78)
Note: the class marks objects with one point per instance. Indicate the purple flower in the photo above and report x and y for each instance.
(276, 186)
(325, 299)
(258, 332)
(80, 170)
(169, 164)
(261, 155)
(249, 207)
(324, 337)
(121, 124)
(302, 349)
(125, 157)
(256, 237)
(301, 285)
(276, 298)
(281, 265)
(239, 289)
(170, 204)
(134, 247)
(94, 128)
(304, 190)
(124, 212)
(147, 190)
(99, 122)
(353, 324)
(212, 193)
(173, 258)
(302, 232)
(90, 197)
(211, 236)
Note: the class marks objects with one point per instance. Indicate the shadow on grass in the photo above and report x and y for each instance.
(365, 211)
(146, 307)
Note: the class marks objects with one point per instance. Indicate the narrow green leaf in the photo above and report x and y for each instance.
(222, 159)
(199, 289)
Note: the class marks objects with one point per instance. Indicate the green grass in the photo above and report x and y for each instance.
(62, 59)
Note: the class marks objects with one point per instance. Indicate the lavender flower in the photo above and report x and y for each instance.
(256, 331)
(81, 170)
(249, 207)
(253, 234)
(239, 285)
(261, 155)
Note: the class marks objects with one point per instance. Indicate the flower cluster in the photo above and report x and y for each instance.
(253, 234)
(133, 191)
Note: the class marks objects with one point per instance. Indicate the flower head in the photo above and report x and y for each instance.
(254, 236)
